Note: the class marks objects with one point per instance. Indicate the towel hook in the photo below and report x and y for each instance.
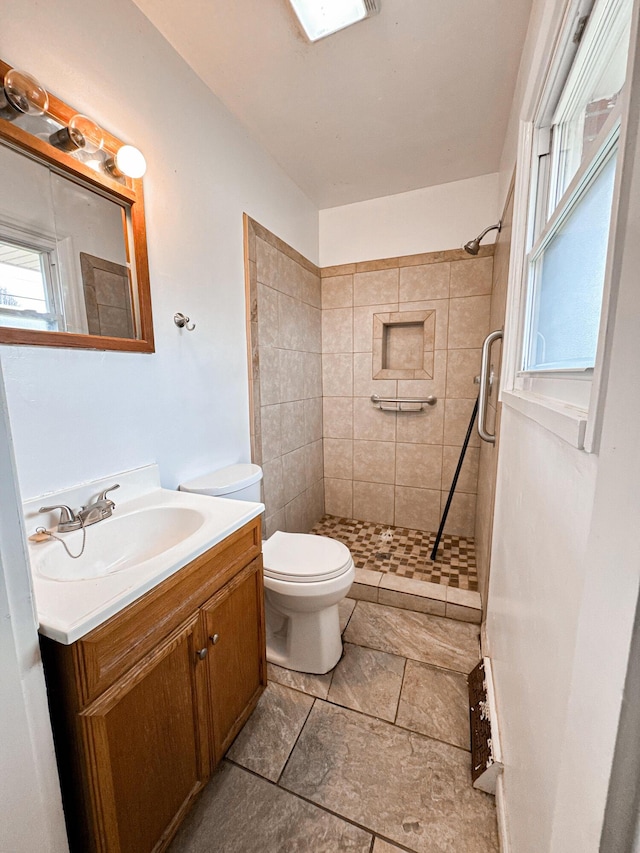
(183, 322)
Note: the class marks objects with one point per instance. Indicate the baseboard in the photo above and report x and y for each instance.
(501, 813)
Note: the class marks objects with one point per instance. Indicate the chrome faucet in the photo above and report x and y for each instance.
(100, 509)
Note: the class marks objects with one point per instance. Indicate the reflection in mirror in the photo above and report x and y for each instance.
(64, 260)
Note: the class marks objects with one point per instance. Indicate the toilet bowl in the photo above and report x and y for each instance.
(305, 578)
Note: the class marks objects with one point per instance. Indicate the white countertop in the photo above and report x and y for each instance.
(69, 609)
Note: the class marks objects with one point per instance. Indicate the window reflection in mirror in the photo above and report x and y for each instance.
(64, 260)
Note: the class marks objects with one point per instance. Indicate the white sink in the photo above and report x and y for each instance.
(147, 539)
(119, 543)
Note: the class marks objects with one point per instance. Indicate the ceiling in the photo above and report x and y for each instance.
(416, 96)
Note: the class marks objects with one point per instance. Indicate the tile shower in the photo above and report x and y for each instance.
(318, 339)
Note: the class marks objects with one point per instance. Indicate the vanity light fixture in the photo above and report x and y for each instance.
(21, 94)
(320, 18)
(128, 161)
(81, 133)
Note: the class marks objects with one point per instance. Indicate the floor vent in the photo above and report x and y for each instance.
(486, 755)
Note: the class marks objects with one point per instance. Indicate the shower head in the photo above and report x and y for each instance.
(473, 246)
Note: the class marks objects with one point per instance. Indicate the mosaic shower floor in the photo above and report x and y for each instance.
(407, 554)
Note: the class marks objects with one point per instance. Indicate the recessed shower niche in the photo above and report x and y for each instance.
(403, 343)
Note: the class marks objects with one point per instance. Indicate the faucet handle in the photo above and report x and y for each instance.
(67, 515)
(103, 495)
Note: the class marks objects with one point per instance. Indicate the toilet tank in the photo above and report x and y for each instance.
(239, 482)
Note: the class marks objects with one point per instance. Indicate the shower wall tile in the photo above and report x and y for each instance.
(419, 465)
(417, 508)
(468, 479)
(337, 374)
(338, 417)
(462, 366)
(363, 383)
(468, 321)
(376, 287)
(472, 277)
(337, 330)
(441, 308)
(338, 497)
(337, 291)
(338, 458)
(456, 421)
(424, 282)
(285, 298)
(373, 502)
(428, 387)
(374, 461)
(462, 514)
(372, 423)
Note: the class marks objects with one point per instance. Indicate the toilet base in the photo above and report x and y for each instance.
(304, 642)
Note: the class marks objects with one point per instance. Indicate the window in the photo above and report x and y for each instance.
(576, 144)
(28, 288)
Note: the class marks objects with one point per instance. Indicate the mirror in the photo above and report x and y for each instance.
(73, 255)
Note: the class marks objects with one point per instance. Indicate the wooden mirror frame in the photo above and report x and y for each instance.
(129, 193)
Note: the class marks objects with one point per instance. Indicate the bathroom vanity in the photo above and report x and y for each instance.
(146, 704)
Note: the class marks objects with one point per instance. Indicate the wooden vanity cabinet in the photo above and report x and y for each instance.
(146, 705)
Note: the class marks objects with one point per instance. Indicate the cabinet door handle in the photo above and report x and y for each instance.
(201, 654)
(214, 639)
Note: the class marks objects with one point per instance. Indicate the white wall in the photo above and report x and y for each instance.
(425, 220)
(79, 415)
(565, 574)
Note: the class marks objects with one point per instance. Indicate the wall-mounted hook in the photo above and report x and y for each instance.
(183, 322)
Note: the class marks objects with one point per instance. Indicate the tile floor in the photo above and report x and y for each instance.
(408, 554)
(370, 758)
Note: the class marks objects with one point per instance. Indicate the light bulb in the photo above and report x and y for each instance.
(82, 133)
(22, 95)
(128, 161)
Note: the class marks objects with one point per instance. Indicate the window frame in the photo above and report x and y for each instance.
(568, 402)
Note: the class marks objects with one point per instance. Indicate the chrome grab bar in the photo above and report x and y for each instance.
(395, 403)
(485, 386)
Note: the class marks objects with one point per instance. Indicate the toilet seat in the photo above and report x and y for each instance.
(304, 557)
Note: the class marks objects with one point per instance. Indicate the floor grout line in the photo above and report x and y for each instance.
(295, 743)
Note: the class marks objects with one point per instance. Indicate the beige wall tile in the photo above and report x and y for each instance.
(430, 281)
(296, 514)
(419, 465)
(424, 427)
(316, 502)
(472, 277)
(363, 324)
(377, 264)
(371, 423)
(339, 269)
(294, 480)
(441, 308)
(271, 432)
(338, 458)
(363, 383)
(292, 375)
(267, 263)
(270, 390)
(274, 522)
(273, 485)
(292, 426)
(314, 463)
(468, 321)
(338, 497)
(374, 461)
(373, 502)
(417, 508)
(312, 327)
(337, 291)
(461, 520)
(267, 316)
(337, 330)
(312, 367)
(338, 417)
(462, 366)
(291, 323)
(468, 479)
(456, 421)
(375, 288)
(312, 419)
(337, 375)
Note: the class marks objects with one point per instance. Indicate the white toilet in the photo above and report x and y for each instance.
(305, 578)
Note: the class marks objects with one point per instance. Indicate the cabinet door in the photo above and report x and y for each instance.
(234, 625)
(147, 747)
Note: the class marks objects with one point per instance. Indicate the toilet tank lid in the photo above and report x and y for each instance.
(225, 481)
